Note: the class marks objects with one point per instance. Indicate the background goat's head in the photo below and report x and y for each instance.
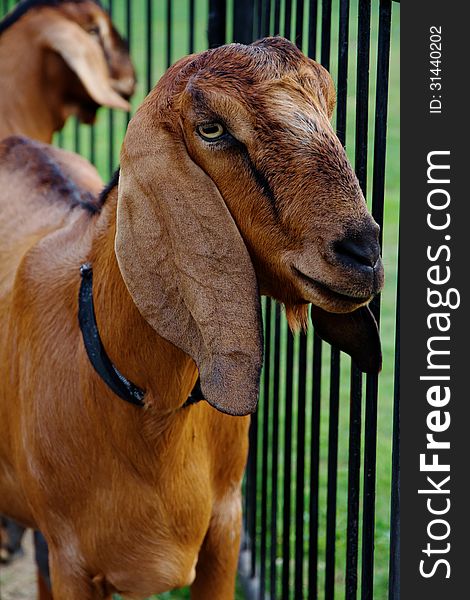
(232, 164)
(85, 62)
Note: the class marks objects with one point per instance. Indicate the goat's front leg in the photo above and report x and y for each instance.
(218, 558)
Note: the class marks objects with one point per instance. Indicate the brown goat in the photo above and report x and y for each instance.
(72, 61)
(62, 56)
(232, 183)
(59, 58)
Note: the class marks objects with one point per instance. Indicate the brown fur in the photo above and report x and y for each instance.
(144, 500)
(60, 61)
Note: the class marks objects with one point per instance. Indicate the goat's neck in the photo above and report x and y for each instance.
(165, 372)
(27, 105)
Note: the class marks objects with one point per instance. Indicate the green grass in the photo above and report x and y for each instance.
(106, 157)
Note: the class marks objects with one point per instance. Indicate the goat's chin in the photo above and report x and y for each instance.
(336, 302)
(339, 299)
(84, 109)
(297, 314)
(87, 114)
(341, 306)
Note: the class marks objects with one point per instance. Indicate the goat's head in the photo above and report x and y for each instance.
(232, 177)
(86, 63)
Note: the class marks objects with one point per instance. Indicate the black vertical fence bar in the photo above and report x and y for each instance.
(312, 28)
(275, 449)
(300, 470)
(381, 111)
(243, 21)
(354, 467)
(362, 92)
(362, 102)
(169, 32)
(191, 26)
(149, 42)
(111, 163)
(335, 361)
(92, 155)
(342, 88)
(287, 18)
(217, 23)
(314, 470)
(330, 551)
(286, 521)
(265, 448)
(265, 17)
(370, 440)
(252, 486)
(76, 135)
(277, 17)
(394, 565)
(368, 509)
(257, 19)
(299, 22)
(129, 42)
(129, 24)
(326, 33)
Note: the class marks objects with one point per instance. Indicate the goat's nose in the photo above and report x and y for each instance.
(359, 250)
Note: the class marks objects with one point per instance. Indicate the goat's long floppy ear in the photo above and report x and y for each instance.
(326, 85)
(186, 266)
(84, 55)
(355, 333)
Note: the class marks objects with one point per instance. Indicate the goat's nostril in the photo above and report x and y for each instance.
(356, 251)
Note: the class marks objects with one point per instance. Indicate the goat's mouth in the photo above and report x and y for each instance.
(341, 301)
(86, 111)
(124, 87)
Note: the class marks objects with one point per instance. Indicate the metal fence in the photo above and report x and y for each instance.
(310, 526)
(281, 556)
(285, 550)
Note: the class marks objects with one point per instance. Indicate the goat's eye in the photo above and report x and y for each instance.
(94, 30)
(211, 131)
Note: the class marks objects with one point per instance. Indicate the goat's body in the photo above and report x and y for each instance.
(157, 480)
(133, 499)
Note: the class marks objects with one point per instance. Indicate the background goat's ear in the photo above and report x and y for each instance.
(355, 333)
(186, 266)
(84, 55)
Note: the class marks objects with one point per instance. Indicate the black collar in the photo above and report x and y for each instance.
(101, 362)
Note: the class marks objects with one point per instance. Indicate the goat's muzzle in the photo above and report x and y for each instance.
(358, 254)
(125, 87)
(350, 273)
(360, 251)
